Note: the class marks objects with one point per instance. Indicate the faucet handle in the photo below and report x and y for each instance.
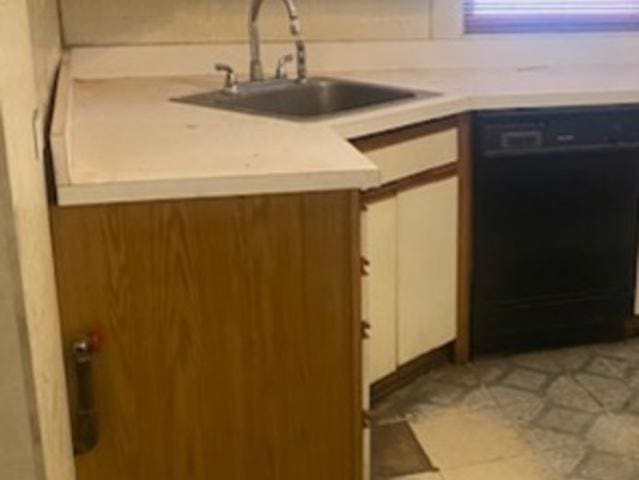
(230, 82)
(280, 71)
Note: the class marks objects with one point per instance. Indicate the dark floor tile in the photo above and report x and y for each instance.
(439, 393)
(505, 396)
(633, 379)
(604, 466)
(543, 361)
(633, 405)
(564, 420)
(621, 350)
(396, 406)
(612, 394)
(573, 358)
(616, 434)
(564, 460)
(610, 367)
(548, 440)
(566, 392)
(460, 375)
(396, 452)
(490, 371)
(523, 413)
(526, 379)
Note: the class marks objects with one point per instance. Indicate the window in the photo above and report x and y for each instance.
(502, 16)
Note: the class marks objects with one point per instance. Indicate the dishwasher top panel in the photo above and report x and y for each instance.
(525, 132)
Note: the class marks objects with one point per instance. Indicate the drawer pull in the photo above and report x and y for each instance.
(85, 435)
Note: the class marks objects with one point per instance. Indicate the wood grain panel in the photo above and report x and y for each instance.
(391, 189)
(401, 135)
(631, 327)
(465, 254)
(230, 330)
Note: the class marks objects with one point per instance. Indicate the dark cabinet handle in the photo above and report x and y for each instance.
(365, 264)
(366, 328)
(85, 435)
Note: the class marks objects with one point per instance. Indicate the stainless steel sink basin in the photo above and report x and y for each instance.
(315, 98)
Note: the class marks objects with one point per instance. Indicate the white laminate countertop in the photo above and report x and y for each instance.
(124, 140)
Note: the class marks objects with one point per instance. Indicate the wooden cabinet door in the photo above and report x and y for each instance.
(427, 221)
(230, 335)
(380, 247)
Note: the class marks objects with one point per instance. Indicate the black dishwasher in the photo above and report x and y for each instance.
(555, 225)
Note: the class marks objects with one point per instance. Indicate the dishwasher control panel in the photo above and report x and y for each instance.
(543, 130)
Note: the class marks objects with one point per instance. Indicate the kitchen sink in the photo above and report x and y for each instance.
(309, 100)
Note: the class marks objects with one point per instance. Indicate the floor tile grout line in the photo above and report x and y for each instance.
(589, 393)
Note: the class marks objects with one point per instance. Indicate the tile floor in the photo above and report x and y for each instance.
(556, 415)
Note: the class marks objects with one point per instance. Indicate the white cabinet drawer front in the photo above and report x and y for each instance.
(427, 222)
(416, 155)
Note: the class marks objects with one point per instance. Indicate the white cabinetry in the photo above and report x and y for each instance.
(381, 293)
(410, 236)
(427, 268)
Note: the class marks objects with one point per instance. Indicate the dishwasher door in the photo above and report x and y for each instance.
(554, 246)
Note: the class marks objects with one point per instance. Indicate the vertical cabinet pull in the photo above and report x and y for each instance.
(85, 435)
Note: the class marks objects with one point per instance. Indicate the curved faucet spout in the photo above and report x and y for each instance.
(256, 68)
(257, 72)
(256, 6)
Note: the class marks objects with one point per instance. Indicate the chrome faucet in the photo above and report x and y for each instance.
(256, 68)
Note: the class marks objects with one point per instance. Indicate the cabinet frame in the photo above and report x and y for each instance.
(462, 169)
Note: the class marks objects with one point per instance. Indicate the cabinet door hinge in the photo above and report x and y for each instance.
(366, 328)
(365, 264)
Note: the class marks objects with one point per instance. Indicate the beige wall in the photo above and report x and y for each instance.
(40, 445)
(426, 31)
(45, 39)
(17, 433)
(105, 22)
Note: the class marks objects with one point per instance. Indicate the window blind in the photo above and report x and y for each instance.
(503, 16)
